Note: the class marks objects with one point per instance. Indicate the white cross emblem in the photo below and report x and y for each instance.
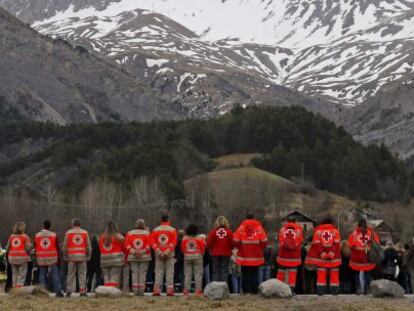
(221, 233)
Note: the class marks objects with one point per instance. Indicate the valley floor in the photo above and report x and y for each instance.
(239, 303)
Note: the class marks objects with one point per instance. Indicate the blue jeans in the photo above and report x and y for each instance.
(43, 279)
(235, 283)
(264, 274)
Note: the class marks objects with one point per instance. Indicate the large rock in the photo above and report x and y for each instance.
(30, 291)
(386, 288)
(217, 290)
(275, 289)
(107, 291)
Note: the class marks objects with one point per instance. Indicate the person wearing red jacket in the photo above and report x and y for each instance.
(163, 242)
(325, 254)
(193, 247)
(18, 251)
(250, 239)
(138, 249)
(360, 242)
(289, 255)
(220, 245)
(111, 246)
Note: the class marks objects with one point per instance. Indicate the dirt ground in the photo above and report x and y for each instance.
(243, 303)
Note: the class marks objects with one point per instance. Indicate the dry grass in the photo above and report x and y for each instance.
(245, 303)
(235, 160)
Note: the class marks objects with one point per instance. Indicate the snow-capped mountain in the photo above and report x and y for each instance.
(345, 50)
(210, 54)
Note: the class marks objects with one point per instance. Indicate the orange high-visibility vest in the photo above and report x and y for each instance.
(139, 240)
(164, 238)
(77, 242)
(46, 250)
(112, 253)
(17, 249)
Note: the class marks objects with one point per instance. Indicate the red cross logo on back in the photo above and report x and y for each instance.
(290, 234)
(45, 243)
(364, 239)
(327, 236)
(221, 233)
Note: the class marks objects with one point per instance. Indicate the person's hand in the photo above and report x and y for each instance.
(324, 255)
(133, 251)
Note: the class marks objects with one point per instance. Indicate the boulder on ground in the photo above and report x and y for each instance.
(107, 291)
(217, 290)
(274, 288)
(386, 288)
(30, 291)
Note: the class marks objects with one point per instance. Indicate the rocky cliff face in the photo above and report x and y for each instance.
(51, 80)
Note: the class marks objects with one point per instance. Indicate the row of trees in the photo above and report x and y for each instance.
(291, 142)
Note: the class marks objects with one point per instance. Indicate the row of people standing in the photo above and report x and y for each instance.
(246, 248)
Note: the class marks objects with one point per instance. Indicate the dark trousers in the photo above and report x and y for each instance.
(249, 279)
(220, 268)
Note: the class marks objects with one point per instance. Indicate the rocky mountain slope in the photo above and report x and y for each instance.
(44, 79)
(208, 55)
(343, 50)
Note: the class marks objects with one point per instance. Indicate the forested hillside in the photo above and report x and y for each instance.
(291, 142)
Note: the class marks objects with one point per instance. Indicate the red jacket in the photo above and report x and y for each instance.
(325, 250)
(360, 243)
(250, 239)
(290, 255)
(220, 242)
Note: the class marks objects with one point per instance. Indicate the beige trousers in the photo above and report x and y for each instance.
(76, 270)
(111, 276)
(19, 273)
(193, 267)
(164, 266)
(139, 275)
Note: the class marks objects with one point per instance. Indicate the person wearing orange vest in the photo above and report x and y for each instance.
(111, 246)
(138, 249)
(193, 247)
(325, 254)
(250, 240)
(163, 242)
(289, 256)
(18, 251)
(76, 251)
(46, 247)
(360, 242)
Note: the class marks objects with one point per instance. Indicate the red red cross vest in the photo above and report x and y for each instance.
(164, 238)
(290, 245)
(46, 250)
(139, 240)
(17, 249)
(77, 243)
(325, 250)
(193, 247)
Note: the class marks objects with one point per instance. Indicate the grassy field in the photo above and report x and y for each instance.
(235, 160)
(245, 303)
